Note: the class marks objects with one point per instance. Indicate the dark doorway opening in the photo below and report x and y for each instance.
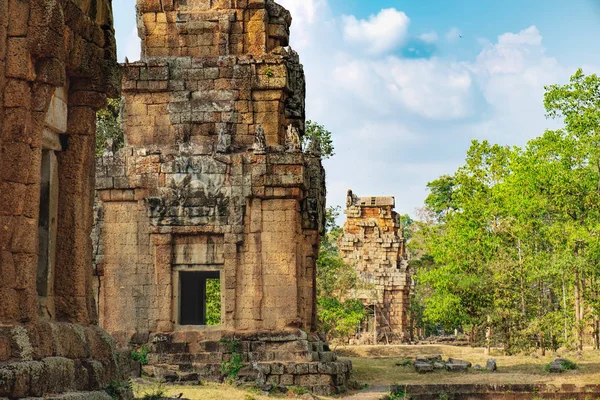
(200, 299)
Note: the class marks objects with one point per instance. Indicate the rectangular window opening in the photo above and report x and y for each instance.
(200, 298)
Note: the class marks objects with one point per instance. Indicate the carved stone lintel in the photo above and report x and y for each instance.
(260, 142)
(292, 140)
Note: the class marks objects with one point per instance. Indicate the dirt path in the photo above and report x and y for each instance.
(372, 393)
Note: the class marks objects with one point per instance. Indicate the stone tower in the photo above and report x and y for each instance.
(209, 220)
(57, 66)
(373, 243)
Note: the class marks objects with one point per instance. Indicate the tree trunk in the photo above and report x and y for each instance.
(578, 310)
(488, 337)
(564, 293)
(542, 344)
(596, 333)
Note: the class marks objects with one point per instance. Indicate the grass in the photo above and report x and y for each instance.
(209, 391)
(376, 365)
(206, 391)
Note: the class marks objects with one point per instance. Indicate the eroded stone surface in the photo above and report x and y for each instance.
(373, 243)
(57, 66)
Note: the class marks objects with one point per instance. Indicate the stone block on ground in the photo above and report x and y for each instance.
(429, 358)
(457, 361)
(423, 367)
(456, 367)
(439, 365)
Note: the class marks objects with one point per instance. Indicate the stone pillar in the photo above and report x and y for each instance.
(58, 65)
(373, 243)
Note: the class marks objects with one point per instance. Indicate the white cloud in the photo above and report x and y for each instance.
(304, 14)
(453, 35)
(380, 33)
(512, 53)
(429, 37)
(428, 88)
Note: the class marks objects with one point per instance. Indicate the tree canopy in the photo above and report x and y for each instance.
(513, 233)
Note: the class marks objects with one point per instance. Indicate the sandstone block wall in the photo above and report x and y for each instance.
(57, 66)
(374, 244)
(212, 179)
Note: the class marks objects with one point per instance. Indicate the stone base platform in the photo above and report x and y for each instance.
(267, 359)
(65, 360)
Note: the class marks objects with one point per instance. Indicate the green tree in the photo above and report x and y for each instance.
(108, 127)
(514, 238)
(318, 132)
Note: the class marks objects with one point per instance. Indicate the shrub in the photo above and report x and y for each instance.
(141, 355)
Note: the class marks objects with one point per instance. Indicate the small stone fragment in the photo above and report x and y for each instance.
(456, 367)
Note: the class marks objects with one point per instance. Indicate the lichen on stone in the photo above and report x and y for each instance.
(21, 337)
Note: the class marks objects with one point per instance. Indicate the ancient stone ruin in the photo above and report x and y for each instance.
(58, 62)
(373, 242)
(209, 220)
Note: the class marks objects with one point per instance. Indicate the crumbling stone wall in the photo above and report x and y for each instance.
(213, 178)
(373, 243)
(57, 66)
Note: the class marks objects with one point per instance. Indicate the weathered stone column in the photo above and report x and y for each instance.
(58, 64)
(374, 244)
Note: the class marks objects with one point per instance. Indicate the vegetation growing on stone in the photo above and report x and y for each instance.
(231, 368)
(108, 127)
(322, 135)
(141, 355)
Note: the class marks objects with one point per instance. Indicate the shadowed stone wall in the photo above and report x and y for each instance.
(373, 243)
(57, 66)
(213, 179)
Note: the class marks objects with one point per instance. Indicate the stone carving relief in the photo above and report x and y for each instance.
(292, 140)
(260, 142)
(195, 191)
(224, 143)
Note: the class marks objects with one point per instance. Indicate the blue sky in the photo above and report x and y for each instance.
(404, 95)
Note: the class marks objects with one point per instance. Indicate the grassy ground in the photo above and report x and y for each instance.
(376, 366)
(208, 391)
